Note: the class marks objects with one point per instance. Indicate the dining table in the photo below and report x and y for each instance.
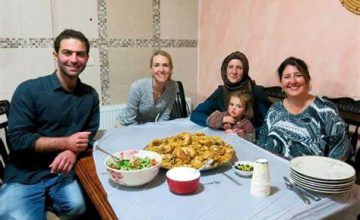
(221, 194)
(86, 174)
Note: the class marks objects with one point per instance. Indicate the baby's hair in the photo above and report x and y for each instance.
(245, 98)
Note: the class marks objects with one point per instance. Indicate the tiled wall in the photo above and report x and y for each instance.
(123, 35)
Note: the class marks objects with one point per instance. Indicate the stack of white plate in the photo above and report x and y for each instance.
(322, 174)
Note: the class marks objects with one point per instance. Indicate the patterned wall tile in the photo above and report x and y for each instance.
(26, 42)
(156, 23)
(103, 43)
(34, 43)
(103, 50)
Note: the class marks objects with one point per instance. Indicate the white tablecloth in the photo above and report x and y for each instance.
(230, 198)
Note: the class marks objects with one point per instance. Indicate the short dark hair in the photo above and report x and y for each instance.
(298, 63)
(69, 33)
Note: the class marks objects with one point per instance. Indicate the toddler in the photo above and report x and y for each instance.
(237, 117)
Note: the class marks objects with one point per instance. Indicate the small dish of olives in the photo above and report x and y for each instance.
(244, 168)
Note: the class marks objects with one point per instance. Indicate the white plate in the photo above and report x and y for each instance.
(320, 190)
(323, 168)
(325, 191)
(321, 185)
(314, 183)
(321, 181)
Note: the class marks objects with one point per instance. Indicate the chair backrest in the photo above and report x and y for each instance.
(274, 93)
(179, 109)
(4, 153)
(349, 110)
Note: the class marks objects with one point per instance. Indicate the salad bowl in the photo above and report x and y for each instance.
(134, 167)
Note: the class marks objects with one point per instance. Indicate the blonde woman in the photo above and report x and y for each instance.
(151, 99)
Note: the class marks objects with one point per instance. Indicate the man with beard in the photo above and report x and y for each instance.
(51, 120)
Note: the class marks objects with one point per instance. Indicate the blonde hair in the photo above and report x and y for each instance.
(245, 98)
(162, 53)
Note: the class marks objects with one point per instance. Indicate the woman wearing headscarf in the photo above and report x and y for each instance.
(235, 74)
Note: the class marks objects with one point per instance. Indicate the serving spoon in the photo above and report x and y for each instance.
(115, 158)
(206, 164)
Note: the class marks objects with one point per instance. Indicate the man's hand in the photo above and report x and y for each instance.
(78, 142)
(63, 162)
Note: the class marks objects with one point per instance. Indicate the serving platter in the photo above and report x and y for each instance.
(206, 168)
(192, 150)
(210, 167)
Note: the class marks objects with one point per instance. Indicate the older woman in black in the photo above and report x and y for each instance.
(234, 72)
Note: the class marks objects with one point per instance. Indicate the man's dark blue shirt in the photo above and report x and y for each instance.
(42, 108)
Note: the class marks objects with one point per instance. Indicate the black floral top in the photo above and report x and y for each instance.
(318, 130)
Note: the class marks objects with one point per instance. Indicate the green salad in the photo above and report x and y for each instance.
(133, 164)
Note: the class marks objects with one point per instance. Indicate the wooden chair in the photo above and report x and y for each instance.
(180, 109)
(349, 110)
(4, 152)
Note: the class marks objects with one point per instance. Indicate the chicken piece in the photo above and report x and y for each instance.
(185, 154)
(218, 150)
(196, 162)
(167, 149)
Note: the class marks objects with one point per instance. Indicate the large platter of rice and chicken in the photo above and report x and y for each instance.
(191, 150)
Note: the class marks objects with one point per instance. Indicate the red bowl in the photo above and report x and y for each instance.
(183, 180)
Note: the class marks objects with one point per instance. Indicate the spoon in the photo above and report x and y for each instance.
(206, 164)
(116, 159)
(292, 187)
(212, 182)
(304, 191)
